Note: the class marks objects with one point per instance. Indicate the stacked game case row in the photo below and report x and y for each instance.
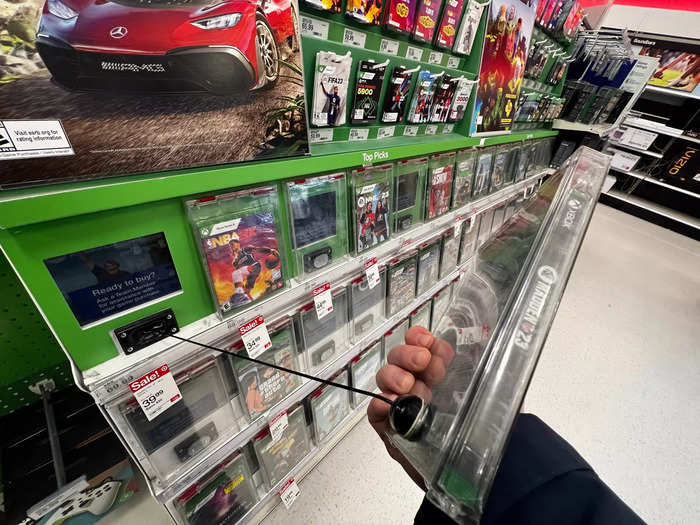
(381, 93)
(590, 104)
(223, 394)
(253, 241)
(560, 18)
(446, 24)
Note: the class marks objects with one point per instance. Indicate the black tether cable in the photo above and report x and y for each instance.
(288, 370)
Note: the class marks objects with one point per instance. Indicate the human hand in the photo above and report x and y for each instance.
(412, 368)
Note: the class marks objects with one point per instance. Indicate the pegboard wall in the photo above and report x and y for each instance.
(28, 350)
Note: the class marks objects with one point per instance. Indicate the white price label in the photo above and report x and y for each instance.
(278, 425)
(315, 28)
(624, 161)
(385, 132)
(449, 128)
(321, 135)
(414, 53)
(390, 47)
(453, 62)
(482, 141)
(410, 131)
(255, 337)
(354, 38)
(435, 57)
(358, 134)
(289, 492)
(372, 272)
(472, 335)
(156, 391)
(323, 300)
(431, 129)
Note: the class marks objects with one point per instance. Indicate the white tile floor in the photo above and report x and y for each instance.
(619, 379)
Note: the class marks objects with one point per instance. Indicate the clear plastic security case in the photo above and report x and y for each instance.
(278, 458)
(449, 253)
(409, 192)
(319, 225)
(241, 241)
(261, 387)
(495, 328)
(370, 205)
(511, 165)
(498, 172)
(363, 369)
(438, 194)
(401, 282)
(523, 163)
(325, 339)
(467, 244)
(395, 337)
(222, 495)
(367, 305)
(421, 315)
(440, 302)
(482, 177)
(179, 437)
(329, 407)
(465, 165)
(428, 265)
(485, 227)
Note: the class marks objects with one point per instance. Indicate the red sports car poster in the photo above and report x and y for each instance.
(508, 34)
(94, 88)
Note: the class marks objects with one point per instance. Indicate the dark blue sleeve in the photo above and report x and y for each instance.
(542, 480)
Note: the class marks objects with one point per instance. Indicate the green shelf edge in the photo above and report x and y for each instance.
(42, 204)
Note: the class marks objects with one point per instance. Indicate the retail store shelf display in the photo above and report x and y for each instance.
(670, 92)
(648, 178)
(646, 152)
(601, 130)
(109, 377)
(687, 220)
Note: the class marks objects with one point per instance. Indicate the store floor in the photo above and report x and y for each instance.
(619, 379)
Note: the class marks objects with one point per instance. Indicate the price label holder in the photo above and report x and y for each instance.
(449, 128)
(453, 62)
(358, 134)
(314, 27)
(354, 38)
(255, 336)
(405, 243)
(431, 129)
(414, 53)
(386, 132)
(372, 272)
(390, 47)
(289, 492)
(321, 135)
(156, 391)
(410, 131)
(278, 425)
(435, 57)
(323, 300)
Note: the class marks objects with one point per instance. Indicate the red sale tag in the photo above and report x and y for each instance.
(255, 337)
(372, 272)
(323, 300)
(156, 391)
(289, 492)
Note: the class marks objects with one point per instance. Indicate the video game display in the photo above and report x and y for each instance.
(329, 407)
(468, 241)
(396, 336)
(139, 90)
(223, 495)
(372, 198)
(439, 185)
(499, 214)
(482, 179)
(399, 15)
(468, 28)
(370, 78)
(511, 165)
(187, 429)
(523, 163)
(366, 305)
(498, 172)
(363, 369)
(443, 98)
(509, 27)
(397, 92)
(323, 339)
(462, 94)
(421, 315)
(278, 458)
(485, 227)
(401, 282)
(331, 81)
(428, 265)
(426, 20)
(450, 250)
(449, 22)
(441, 302)
(260, 387)
(465, 162)
(422, 100)
(409, 184)
(364, 11)
(319, 224)
(241, 245)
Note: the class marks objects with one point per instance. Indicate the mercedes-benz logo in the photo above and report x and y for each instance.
(118, 32)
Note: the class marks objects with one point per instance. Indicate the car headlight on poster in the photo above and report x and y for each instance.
(61, 10)
(218, 22)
